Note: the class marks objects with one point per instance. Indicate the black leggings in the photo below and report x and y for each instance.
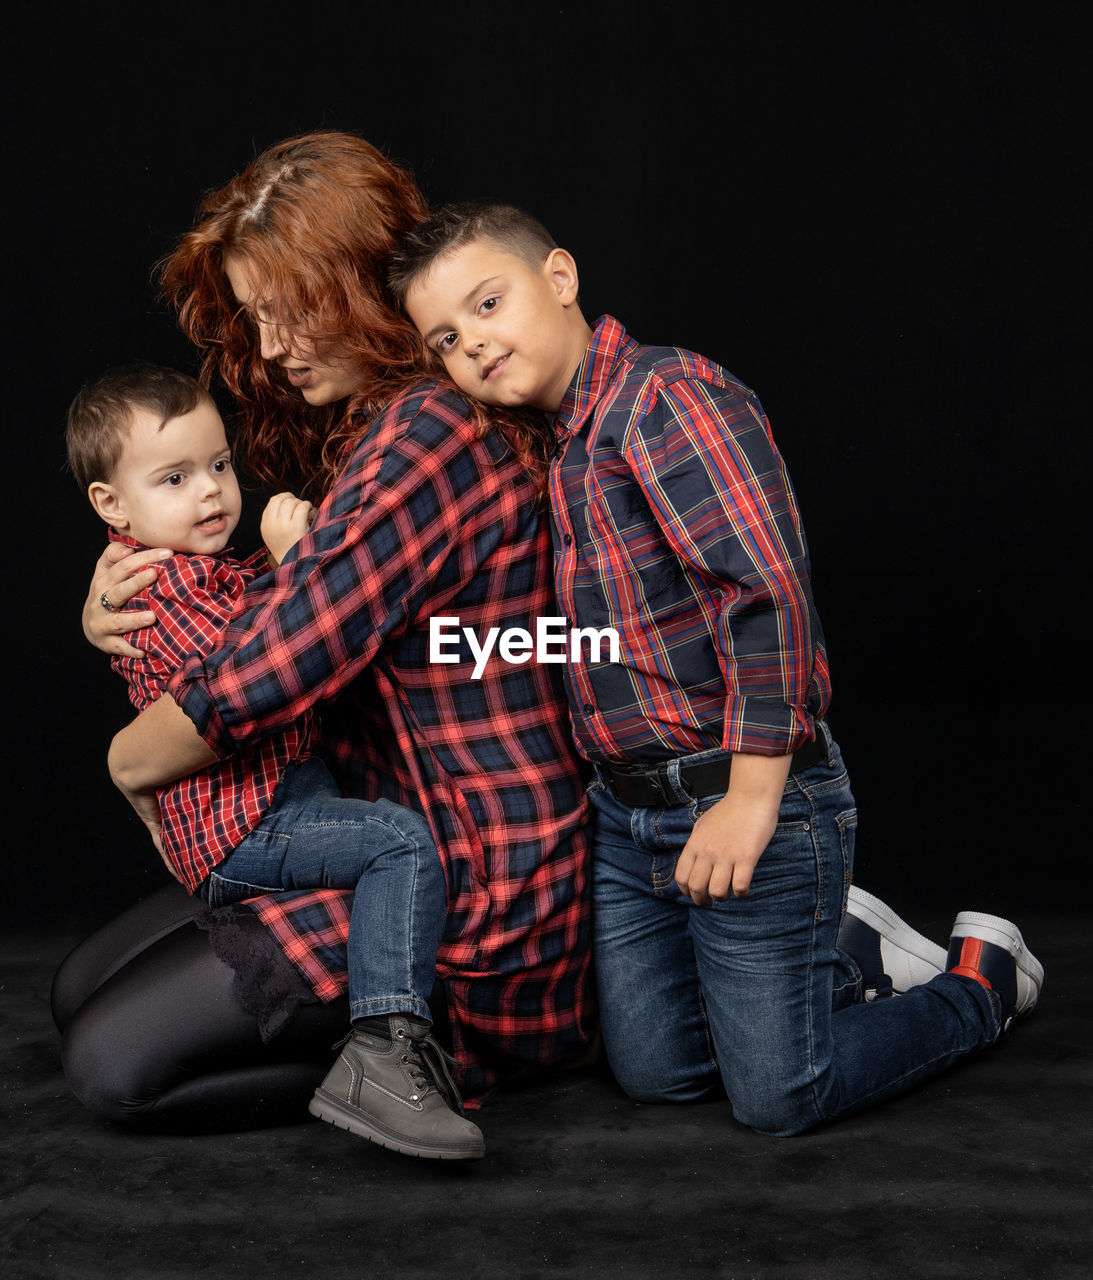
(155, 1038)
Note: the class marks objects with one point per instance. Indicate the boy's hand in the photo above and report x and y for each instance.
(728, 839)
(120, 573)
(284, 522)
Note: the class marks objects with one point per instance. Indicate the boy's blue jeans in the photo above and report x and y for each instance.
(752, 992)
(314, 837)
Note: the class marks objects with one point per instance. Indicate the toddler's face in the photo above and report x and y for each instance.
(174, 485)
(498, 324)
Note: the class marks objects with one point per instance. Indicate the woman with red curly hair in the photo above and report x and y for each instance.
(178, 1017)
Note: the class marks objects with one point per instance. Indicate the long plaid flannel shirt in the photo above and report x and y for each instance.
(205, 815)
(677, 526)
(428, 520)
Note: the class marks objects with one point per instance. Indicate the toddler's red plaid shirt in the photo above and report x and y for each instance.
(208, 813)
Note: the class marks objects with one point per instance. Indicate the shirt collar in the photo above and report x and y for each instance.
(127, 541)
(593, 374)
(114, 536)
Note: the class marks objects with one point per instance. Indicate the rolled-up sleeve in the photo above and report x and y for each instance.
(706, 462)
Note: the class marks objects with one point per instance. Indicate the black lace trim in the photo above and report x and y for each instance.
(267, 984)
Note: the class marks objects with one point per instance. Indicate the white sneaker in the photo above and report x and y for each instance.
(892, 957)
(992, 951)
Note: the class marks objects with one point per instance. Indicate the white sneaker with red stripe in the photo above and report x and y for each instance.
(992, 952)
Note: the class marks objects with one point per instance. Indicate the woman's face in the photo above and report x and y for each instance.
(318, 381)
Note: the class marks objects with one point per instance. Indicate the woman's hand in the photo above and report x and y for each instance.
(146, 806)
(119, 574)
(284, 522)
(132, 773)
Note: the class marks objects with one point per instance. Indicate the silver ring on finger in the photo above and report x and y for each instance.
(106, 603)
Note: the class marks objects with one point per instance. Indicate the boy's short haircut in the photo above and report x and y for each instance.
(453, 225)
(99, 416)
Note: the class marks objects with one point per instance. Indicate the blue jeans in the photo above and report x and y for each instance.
(313, 837)
(751, 994)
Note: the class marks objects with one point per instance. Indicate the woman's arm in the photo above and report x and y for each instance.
(160, 745)
(406, 498)
(405, 503)
(146, 804)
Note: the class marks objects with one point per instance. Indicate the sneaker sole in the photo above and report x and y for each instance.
(324, 1106)
(880, 917)
(1005, 934)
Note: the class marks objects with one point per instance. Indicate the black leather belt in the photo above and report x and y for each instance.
(642, 785)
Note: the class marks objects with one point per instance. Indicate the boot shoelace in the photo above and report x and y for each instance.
(430, 1067)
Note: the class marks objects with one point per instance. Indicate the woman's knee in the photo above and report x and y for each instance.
(69, 990)
(91, 962)
(133, 1038)
(103, 1074)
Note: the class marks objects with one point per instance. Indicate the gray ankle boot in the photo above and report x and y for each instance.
(399, 1093)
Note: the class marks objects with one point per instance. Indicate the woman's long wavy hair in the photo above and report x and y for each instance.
(314, 219)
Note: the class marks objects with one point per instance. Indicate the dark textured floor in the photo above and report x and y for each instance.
(983, 1172)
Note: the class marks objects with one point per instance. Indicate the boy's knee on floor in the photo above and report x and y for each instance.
(656, 1087)
(773, 1115)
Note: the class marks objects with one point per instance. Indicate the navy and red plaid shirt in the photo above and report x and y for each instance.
(425, 520)
(206, 814)
(675, 523)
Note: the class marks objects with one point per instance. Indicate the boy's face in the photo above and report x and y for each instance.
(508, 333)
(174, 485)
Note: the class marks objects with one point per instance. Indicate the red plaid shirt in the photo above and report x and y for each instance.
(427, 520)
(677, 526)
(206, 814)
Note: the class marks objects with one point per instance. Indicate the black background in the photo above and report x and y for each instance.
(874, 214)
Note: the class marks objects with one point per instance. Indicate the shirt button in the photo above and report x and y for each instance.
(568, 540)
(589, 709)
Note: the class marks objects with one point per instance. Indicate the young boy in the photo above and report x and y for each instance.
(149, 447)
(724, 817)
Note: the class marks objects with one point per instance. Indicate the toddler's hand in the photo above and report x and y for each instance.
(284, 522)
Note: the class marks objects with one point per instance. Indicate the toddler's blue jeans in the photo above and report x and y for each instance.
(313, 837)
(752, 993)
